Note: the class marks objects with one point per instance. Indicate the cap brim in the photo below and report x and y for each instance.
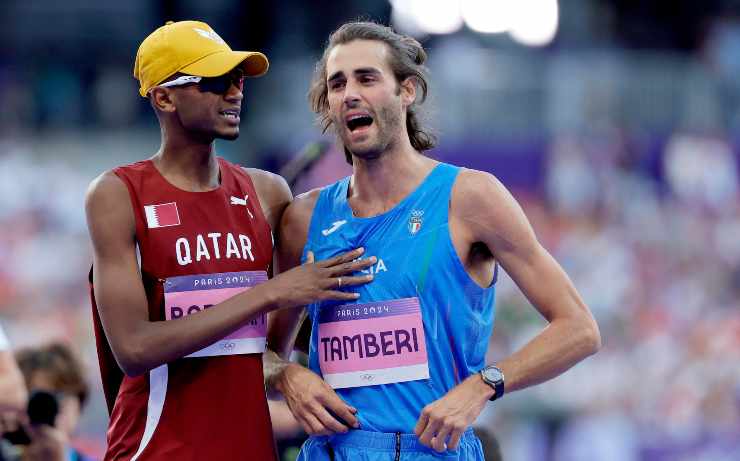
(254, 63)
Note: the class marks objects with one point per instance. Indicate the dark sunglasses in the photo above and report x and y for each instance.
(218, 85)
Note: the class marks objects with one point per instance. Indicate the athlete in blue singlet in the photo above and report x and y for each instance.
(416, 259)
(401, 372)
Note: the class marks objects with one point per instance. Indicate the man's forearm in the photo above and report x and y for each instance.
(156, 343)
(562, 344)
(273, 366)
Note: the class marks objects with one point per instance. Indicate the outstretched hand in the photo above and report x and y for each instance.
(322, 280)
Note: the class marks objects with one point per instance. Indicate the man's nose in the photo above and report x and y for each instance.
(351, 95)
(234, 94)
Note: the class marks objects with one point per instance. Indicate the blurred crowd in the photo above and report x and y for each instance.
(44, 259)
(648, 230)
(657, 259)
(653, 249)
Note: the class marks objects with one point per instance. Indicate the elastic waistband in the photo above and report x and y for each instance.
(386, 440)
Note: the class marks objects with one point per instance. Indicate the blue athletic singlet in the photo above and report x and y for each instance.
(416, 260)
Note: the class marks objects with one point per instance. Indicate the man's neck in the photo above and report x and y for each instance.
(187, 164)
(379, 184)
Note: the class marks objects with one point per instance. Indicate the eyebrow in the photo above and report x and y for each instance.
(361, 71)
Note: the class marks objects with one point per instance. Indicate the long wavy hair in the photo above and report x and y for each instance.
(407, 58)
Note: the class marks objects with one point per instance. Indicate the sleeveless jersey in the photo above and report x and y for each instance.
(196, 408)
(417, 267)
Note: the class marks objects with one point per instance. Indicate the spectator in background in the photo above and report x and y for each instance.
(12, 391)
(55, 368)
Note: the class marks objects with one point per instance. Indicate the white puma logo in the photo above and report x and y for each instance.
(242, 201)
(334, 226)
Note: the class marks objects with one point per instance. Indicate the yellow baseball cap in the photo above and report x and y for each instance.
(193, 48)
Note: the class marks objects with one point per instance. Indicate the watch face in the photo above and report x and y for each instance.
(493, 374)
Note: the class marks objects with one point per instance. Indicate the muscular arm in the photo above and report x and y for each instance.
(140, 344)
(284, 325)
(274, 195)
(484, 211)
(291, 231)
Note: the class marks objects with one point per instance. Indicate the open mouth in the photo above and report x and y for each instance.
(231, 114)
(358, 122)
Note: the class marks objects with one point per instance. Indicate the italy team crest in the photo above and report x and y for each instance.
(415, 221)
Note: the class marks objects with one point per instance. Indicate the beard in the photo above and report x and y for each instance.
(386, 122)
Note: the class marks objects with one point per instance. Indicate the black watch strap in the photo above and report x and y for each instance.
(494, 377)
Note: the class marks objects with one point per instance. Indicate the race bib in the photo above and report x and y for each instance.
(188, 294)
(372, 343)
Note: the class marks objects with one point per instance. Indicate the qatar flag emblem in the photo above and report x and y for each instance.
(162, 215)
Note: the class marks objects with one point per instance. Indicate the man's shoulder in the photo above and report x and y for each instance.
(263, 176)
(471, 175)
(105, 185)
(140, 167)
(479, 194)
(471, 184)
(107, 201)
(270, 186)
(113, 179)
(304, 204)
(297, 219)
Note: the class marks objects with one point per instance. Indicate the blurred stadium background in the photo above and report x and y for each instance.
(615, 123)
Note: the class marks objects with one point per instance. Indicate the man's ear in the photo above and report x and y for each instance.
(408, 91)
(161, 100)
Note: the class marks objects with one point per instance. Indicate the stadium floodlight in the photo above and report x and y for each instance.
(427, 16)
(534, 22)
(488, 16)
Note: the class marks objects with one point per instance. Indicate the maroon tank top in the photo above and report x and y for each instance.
(200, 408)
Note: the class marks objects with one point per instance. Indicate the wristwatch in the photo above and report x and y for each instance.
(494, 377)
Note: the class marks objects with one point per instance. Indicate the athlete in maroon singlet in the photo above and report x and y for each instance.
(187, 223)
